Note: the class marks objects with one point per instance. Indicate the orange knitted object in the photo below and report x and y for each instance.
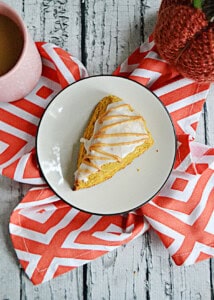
(185, 39)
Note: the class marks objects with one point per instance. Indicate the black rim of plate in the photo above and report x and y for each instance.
(76, 207)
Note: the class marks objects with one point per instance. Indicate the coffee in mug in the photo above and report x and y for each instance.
(20, 61)
(11, 44)
(11, 39)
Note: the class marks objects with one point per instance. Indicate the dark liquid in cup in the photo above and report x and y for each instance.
(11, 44)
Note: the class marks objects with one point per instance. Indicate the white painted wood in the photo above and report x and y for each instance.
(150, 12)
(9, 269)
(210, 116)
(68, 286)
(112, 32)
(176, 282)
(58, 22)
(120, 274)
(112, 29)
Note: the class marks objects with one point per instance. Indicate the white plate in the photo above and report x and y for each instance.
(62, 126)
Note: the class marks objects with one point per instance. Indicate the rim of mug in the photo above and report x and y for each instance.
(23, 29)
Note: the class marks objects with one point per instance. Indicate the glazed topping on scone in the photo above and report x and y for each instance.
(117, 133)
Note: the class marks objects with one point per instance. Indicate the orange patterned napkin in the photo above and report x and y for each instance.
(49, 236)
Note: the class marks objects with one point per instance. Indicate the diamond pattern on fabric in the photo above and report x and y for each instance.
(182, 212)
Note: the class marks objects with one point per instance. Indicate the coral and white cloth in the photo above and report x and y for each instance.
(49, 236)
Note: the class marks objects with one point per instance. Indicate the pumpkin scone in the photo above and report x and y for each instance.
(116, 134)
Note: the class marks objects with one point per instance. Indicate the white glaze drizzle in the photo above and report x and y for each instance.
(116, 134)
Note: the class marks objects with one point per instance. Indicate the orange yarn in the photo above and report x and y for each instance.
(185, 39)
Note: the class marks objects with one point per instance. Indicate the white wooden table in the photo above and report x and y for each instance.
(102, 33)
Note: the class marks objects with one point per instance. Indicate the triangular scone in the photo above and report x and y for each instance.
(114, 137)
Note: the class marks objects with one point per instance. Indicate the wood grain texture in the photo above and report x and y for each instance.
(113, 31)
(9, 269)
(55, 21)
(209, 119)
(103, 33)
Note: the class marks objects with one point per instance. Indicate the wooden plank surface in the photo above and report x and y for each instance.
(102, 33)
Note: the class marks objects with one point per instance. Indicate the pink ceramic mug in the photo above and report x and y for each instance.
(25, 73)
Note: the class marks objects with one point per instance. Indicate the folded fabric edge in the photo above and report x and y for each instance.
(83, 237)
